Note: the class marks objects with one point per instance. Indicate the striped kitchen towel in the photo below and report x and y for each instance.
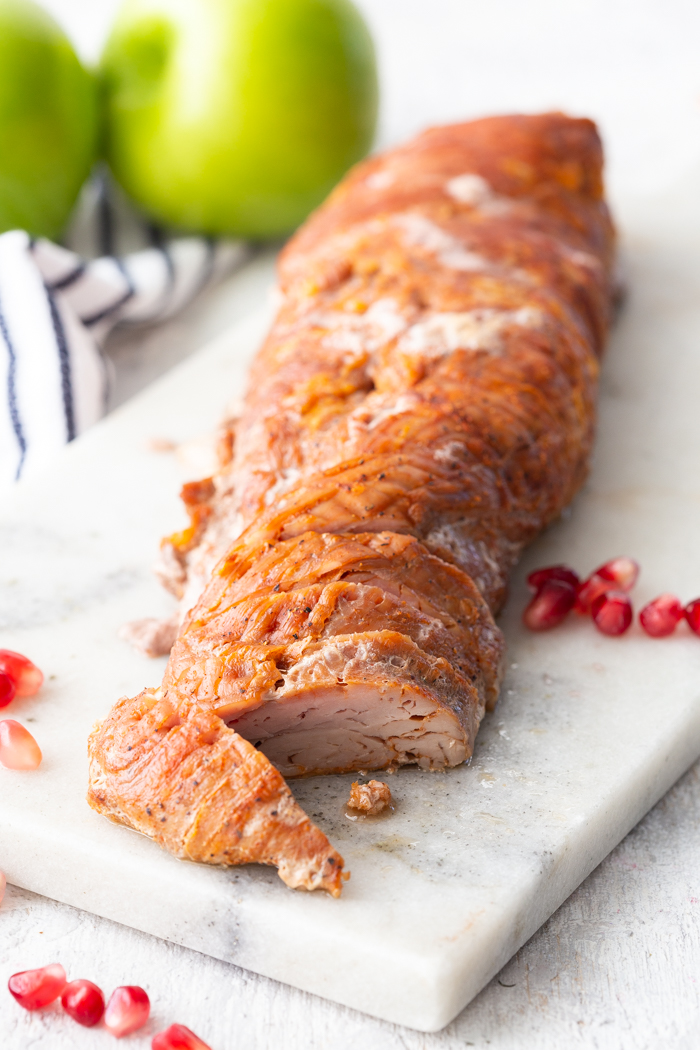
(56, 309)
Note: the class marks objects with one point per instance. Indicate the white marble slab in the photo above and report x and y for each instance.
(589, 733)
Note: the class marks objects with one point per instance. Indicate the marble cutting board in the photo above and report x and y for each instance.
(589, 733)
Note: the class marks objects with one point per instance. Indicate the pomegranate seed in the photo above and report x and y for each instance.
(26, 675)
(18, 748)
(128, 1009)
(661, 616)
(84, 1002)
(177, 1037)
(589, 590)
(621, 571)
(612, 612)
(550, 605)
(36, 988)
(692, 615)
(554, 572)
(7, 689)
(3, 884)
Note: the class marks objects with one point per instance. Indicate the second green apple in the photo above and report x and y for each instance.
(236, 116)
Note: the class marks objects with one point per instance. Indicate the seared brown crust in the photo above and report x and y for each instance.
(422, 407)
(257, 618)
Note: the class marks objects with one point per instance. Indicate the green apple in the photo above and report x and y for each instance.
(48, 121)
(236, 116)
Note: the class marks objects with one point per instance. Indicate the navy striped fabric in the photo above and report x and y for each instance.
(56, 309)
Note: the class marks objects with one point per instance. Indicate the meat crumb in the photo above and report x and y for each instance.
(151, 637)
(370, 799)
(160, 444)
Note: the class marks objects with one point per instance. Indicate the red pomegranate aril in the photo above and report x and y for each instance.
(539, 577)
(692, 615)
(18, 748)
(553, 601)
(8, 689)
(128, 1009)
(36, 988)
(623, 572)
(84, 1002)
(661, 616)
(612, 612)
(178, 1037)
(26, 675)
(588, 591)
(3, 884)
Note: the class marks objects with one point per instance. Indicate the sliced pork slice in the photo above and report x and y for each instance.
(318, 585)
(203, 793)
(336, 653)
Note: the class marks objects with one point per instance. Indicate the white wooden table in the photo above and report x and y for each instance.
(618, 966)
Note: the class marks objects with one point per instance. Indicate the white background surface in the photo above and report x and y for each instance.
(619, 965)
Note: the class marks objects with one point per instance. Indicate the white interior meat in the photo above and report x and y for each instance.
(377, 710)
(355, 727)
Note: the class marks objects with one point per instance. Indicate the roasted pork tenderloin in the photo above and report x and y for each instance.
(422, 407)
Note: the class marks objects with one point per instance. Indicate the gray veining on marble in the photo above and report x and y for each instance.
(589, 733)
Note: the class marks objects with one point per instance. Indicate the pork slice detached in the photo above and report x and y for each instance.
(203, 792)
(422, 408)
